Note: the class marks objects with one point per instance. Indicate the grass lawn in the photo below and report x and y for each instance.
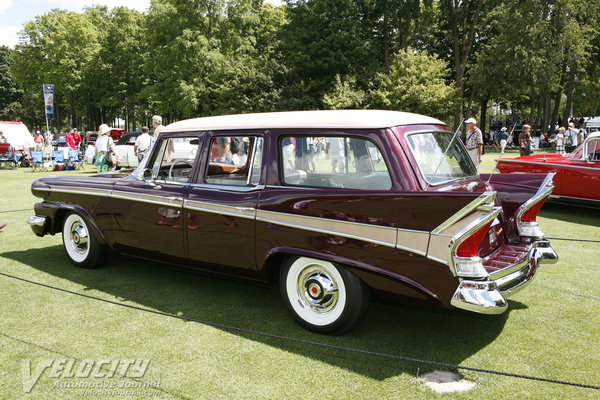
(551, 330)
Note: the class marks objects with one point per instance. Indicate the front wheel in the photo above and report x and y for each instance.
(321, 296)
(81, 244)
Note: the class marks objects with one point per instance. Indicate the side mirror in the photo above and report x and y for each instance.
(148, 177)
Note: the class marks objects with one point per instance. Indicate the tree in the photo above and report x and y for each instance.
(323, 39)
(415, 82)
(59, 46)
(10, 94)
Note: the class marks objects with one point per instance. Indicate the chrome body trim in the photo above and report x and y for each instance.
(79, 190)
(146, 198)
(532, 229)
(464, 233)
(36, 220)
(489, 296)
(241, 212)
(214, 186)
(484, 203)
(381, 235)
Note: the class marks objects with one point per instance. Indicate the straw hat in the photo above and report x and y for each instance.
(103, 130)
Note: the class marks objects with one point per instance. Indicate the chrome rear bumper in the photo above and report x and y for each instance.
(489, 296)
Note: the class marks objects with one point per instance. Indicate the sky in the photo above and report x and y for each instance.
(15, 13)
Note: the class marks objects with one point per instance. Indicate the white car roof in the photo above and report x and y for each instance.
(346, 119)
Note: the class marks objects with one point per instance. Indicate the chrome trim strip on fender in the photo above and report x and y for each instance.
(79, 190)
(482, 202)
(151, 199)
(216, 186)
(241, 212)
(381, 235)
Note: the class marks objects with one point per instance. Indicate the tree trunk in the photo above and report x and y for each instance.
(462, 45)
(483, 120)
(557, 99)
(570, 85)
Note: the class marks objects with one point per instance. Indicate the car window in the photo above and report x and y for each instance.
(440, 157)
(333, 162)
(594, 150)
(174, 159)
(234, 160)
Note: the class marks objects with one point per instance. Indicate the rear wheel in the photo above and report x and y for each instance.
(321, 296)
(81, 244)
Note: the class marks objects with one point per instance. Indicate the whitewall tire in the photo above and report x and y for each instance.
(322, 296)
(80, 242)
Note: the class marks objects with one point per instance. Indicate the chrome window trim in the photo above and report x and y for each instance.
(251, 164)
(421, 131)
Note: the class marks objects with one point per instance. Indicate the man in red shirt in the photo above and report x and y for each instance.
(71, 140)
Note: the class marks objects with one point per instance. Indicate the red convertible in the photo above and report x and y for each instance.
(577, 175)
(334, 206)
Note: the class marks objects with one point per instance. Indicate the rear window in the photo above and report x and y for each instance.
(333, 162)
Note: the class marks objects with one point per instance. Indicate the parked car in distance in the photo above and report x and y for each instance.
(125, 148)
(576, 175)
(334, 206)
(116, 133)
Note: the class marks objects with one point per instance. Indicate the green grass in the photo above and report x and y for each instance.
(551, 330)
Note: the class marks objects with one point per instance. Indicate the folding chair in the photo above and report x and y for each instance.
(58, 158)
(37, 161)
(74, 159)
(7, 156)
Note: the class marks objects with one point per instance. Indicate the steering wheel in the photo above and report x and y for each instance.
(173, 166)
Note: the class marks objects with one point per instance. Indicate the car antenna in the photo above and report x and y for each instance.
(443, 156)
(501, 154)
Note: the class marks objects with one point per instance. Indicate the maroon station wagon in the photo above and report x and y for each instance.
(333, 205)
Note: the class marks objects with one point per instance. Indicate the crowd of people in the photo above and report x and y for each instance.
(566, 138)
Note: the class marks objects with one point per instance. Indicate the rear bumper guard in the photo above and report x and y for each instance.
(489, 296)
(38, 224)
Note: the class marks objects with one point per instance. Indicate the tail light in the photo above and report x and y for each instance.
(470, 246)
(526, 217)
(465, 247)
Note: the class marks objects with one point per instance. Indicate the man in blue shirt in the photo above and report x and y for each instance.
(503, 138)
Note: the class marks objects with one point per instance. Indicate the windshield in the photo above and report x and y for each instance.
(428, 149)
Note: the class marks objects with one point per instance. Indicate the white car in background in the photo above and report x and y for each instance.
(124, 147)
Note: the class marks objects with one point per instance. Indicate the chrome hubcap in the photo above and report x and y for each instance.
(317, 289)
(79, 238)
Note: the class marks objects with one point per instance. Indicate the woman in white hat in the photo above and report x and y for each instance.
(103, 144)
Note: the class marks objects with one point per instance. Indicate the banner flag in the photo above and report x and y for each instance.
(49, 100)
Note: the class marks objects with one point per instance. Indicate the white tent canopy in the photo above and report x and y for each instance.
(17, 134)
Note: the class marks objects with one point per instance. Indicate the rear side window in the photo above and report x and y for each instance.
(235, 161)
(333, 162)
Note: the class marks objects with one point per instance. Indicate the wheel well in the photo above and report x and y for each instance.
(273, 265)
(59, 219)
